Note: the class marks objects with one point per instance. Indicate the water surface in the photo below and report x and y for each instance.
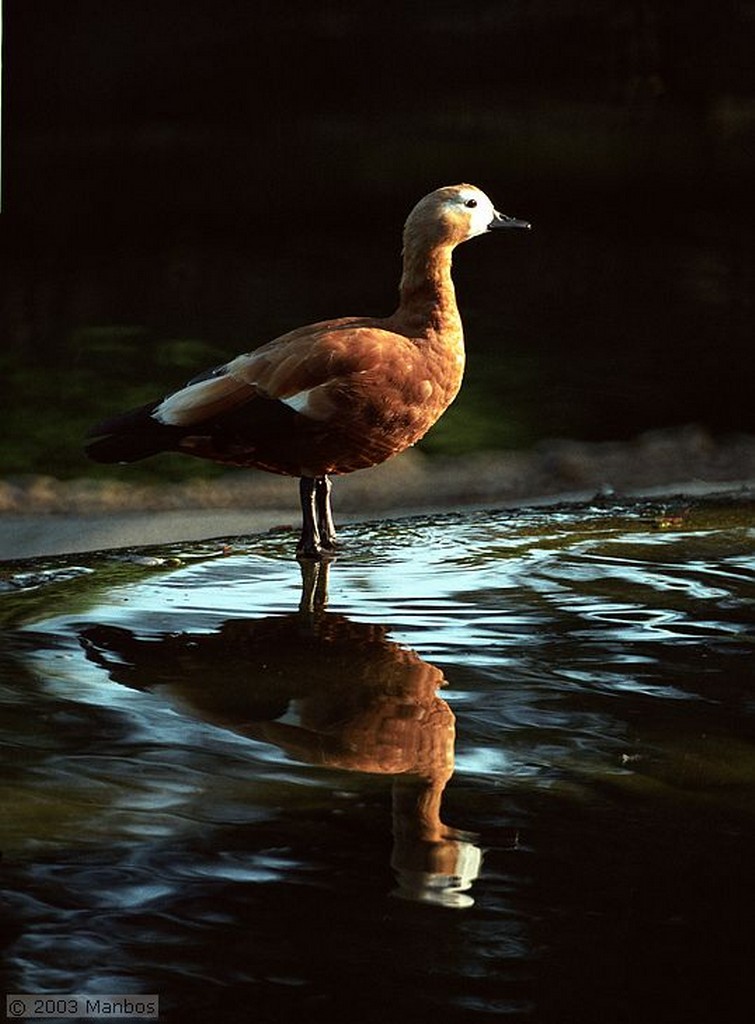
(506, 770)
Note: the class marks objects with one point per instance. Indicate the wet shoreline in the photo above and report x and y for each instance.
(44, 516)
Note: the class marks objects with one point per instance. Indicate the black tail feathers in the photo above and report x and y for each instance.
(131, 436)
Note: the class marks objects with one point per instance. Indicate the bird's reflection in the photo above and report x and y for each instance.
(352, 700)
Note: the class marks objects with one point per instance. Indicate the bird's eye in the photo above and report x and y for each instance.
(471, 203)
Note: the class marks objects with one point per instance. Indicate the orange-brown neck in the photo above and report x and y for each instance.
(427, 300)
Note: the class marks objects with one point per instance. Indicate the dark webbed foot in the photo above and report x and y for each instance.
(318, 535)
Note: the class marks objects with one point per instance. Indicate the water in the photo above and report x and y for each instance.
(506, 771)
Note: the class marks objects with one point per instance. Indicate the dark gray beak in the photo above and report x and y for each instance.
(500, 220)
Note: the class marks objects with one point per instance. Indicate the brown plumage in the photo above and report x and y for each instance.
(335, 396)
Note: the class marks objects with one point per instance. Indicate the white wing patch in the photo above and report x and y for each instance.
(201, 401)
(298, 402)
(309, 403)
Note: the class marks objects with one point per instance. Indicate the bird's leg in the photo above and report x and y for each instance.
(309, 542)
(318, 532)
(325, 523)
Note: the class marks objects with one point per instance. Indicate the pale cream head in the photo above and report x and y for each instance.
(454, 214)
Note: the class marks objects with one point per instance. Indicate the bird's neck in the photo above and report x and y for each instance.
(427, 300)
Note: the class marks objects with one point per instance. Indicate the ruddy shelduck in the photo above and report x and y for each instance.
(334, 396)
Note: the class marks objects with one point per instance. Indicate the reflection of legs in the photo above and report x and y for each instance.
(318, 531)
(314, 585)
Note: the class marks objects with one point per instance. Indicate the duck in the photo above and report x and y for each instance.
(334, 396)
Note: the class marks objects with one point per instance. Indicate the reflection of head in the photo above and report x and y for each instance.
(433, 862)
(451, 866)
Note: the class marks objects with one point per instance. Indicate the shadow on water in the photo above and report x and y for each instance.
(214, 781)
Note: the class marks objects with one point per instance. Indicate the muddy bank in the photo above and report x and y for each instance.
(42, 515)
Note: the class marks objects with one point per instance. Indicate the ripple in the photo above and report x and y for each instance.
(207, 789)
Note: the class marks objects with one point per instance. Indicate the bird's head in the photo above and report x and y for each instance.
(454, 214)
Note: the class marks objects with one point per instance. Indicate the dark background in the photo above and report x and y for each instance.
(185, 180)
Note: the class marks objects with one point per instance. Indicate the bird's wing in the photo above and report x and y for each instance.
(302, 369)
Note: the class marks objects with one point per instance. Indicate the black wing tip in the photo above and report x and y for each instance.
(128, 437)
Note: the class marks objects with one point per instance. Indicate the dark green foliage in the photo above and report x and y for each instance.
(48, 410)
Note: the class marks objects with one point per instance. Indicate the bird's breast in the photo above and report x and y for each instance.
(387, 410)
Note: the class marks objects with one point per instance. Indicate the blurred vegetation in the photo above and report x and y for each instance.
(47, 414)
